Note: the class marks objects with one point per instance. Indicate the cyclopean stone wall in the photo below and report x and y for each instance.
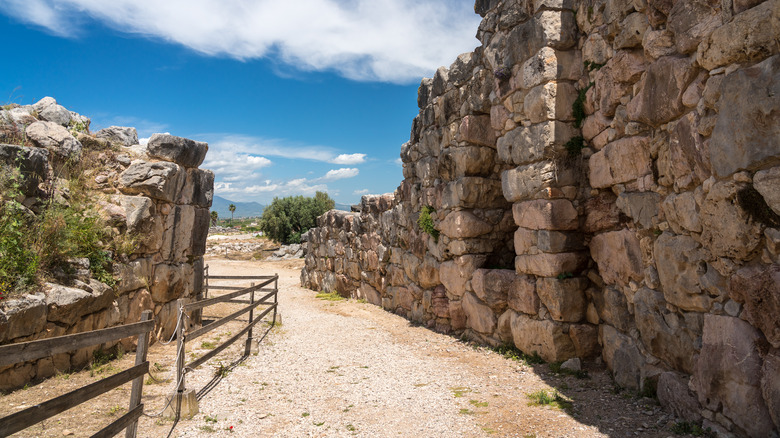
(154, 192)
(655, 247)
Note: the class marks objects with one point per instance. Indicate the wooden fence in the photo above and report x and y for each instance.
(270, 298)
(27, 351)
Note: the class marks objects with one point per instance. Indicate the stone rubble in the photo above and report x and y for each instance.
(653, 246)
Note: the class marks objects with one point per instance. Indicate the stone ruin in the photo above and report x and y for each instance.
(603, 180)
(155, 192)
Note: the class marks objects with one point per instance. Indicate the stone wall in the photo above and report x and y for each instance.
(154, 192)
(622, 157)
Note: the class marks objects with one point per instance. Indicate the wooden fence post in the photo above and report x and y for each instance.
(252, 346)
(183, 403)
(138, 383)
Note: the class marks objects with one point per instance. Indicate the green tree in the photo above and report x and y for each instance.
(287, 218)
(232, 209)
(214, 217)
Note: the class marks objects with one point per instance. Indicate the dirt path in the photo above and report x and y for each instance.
(347, 368)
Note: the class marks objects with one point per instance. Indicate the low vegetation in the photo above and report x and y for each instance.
(286, 219)
(425, 222)
(544, 398)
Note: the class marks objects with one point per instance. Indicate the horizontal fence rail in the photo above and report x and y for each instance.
(27, 351)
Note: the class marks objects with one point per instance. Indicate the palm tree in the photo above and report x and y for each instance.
(214, 218)
(232, 208)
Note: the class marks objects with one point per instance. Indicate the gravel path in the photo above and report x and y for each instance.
(347, 368)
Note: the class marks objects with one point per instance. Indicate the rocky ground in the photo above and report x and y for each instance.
(347, 368)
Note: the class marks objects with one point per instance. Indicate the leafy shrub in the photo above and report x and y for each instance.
(425, 222)
(578, 107)
(286, 219)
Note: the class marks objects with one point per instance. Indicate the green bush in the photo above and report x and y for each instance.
(286, 219)
(425, 221)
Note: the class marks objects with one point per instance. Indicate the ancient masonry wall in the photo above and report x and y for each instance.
(154, 192)
(604, 182)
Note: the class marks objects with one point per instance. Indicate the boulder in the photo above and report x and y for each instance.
(476, 129)
(121, 135)
(528, 144)
(133, 275)
(456, 273)
(31, 162)
(728, 373)
(678, 262)
(758, 289)
(182, 151)
(642, 207)
(563, 298)
(691, 22)
(547, 338)
(21, 317)
(766, 182)
(621, 161)
(479, 316)
(585, 338)
(55, 114)
(667, 335)
(622, 356)
(462, 224)
(660, 97)
(618, 256)
(632, 31)
(67, 305)
(673, 393)
(682, 212)
(492, 287)
(747, 131)
(727, 230)
(55, 138)
(544, 214)
(158, 180)
(522, 295)
(472, 192)
(523, 182)
(770, 384)
(748, 37)
(457, 161)
(550, 265)
(549, 64)
(612, 307)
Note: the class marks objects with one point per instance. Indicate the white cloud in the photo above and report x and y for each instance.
(360, 192)
(343, 173)
(398, 161)
(234, 165)
(349, 159)
(385, 40)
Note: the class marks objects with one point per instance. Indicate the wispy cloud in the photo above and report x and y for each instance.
(349, 159)
(242, 144)
(344, 173)
(361, 192)
(384, 40)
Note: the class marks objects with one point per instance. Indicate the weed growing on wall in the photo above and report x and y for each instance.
(425, 222)
(578, 107)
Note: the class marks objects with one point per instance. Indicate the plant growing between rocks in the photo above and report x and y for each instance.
(425, 222)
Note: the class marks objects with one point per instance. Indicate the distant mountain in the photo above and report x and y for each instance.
(243, 209)
(344, 207)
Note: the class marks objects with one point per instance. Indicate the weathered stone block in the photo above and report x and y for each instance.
(770, 385)
(157, 180)
(23, 316)
(54, 137)
(476, 129)
(524, 145)
(198, 188)
(767, 183)
(622, 357)
(678, 260)
(522, 295)
(632, 31)
(549, 64)
(673, 393)
(550, 265)
(523, 182)
(457, 161)
(121, 135)
(479, 316)
(472, 192)
(682, 212)
(660, 97)
(182, 151)
(747, 132)
(31, 162)
(565, 299)
(621, 161)
(550, 101)
(728, 373)
(557, 241)
(726, 228)
(456, 273)
(586, 340)
(618, 256)
(758, 288)
(642, 207)
(492, 287)
(693, 21)
(543, 337)
(544, 214)
(171, 282)
(463, 224)
(612, 307)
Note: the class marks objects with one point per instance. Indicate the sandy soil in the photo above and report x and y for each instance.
(346, 368)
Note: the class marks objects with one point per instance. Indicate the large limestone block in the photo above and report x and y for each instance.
(177, 237)
(22, 317)
(522, 295)
(479, 316)
(612, 307)
(476, 129)
(767, 182)
(692, 21)
(586, 340)
(550, 265)
(67, 304)
(678, 260)
(133, 275)
(550, 101)
(758, 289)
(615, 80)
(549, 64)
(492, 286)
(523, 182)
(370, 294)
(632, 31)
(770, 385)
(124, 136)
(618, 256)
(161, 181)
(660, 97)
(455, 162)
(601, 213)
(622, 356)
(689, 153)
(749, 36)
(642, 207)
(728, 373)
(182, 151)
(727, 230)
(546, 338)
(56, 114)
(544, 214)
(527, 144)
(31, 162)
(682, 212)
(667, 335)
(171, 282)
(621, 161)
(440, 304)
(565, 299)
(55, 138)
(428, 273)
(463, 224)
(200, 231)
(472, 192)
(673, 393)
(198, 188)
(747, 132)
(455, 274)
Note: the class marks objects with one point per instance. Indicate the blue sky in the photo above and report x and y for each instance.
(292, 97)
